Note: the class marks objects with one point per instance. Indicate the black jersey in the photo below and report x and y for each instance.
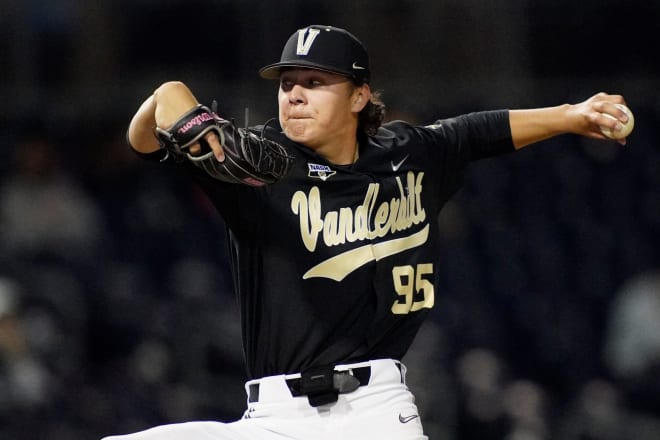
(338, 264)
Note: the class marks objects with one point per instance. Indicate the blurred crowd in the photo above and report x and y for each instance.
(117, 311)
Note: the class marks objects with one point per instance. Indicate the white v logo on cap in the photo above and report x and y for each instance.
(305, 44)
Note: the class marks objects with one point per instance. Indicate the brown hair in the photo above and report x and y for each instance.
(372, 115)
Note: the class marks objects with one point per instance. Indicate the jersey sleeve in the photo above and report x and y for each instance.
(476, 135)
(453, 143)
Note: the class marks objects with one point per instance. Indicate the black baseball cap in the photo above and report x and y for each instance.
(326, 48)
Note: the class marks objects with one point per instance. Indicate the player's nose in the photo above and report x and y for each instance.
(296, 94)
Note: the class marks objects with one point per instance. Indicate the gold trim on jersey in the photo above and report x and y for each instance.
(339, 266)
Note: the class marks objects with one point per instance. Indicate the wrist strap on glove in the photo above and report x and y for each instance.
(250, 157)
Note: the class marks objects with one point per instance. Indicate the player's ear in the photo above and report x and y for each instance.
(360, 97)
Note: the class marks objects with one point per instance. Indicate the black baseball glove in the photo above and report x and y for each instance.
(250, 158)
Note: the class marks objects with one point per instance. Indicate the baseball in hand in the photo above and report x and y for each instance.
(627, 127)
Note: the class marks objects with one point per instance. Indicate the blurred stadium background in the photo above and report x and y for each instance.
(116, 310)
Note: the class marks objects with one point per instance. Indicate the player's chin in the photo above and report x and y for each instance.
(297, 132)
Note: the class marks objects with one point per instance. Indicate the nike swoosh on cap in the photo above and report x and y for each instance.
(355, 66)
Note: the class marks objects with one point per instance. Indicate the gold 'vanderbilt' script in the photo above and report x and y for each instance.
(353, 224)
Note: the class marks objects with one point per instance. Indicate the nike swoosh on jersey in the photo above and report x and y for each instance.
(406, 419)
(339, 266)
(396, 166)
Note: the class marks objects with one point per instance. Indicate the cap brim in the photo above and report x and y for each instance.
(273, 71)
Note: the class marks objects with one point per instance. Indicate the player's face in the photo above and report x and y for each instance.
(318, 108)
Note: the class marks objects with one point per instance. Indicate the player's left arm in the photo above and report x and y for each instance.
(162, 109)
(585, 118)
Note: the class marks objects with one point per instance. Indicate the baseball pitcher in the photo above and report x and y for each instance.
(331, 216)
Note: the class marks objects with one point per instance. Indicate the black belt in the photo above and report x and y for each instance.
(321, 385)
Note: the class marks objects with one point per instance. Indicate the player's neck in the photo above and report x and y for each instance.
(341, 149)
(345, 155)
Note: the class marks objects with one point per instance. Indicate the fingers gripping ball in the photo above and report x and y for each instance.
(250, 158)
(626, 127)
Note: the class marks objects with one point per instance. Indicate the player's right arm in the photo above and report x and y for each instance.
(586, 118)
(162, 109)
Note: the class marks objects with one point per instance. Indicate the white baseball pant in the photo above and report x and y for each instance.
(381, 410)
